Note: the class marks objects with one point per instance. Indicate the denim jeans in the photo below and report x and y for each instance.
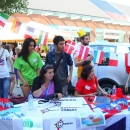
(4, 87)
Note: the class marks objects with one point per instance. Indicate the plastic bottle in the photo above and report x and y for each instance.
(114, 93)
(114, 90)
(30, 101)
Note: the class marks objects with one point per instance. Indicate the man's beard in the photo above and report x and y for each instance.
(86, 44)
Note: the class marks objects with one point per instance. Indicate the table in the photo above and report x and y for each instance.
(119, 121)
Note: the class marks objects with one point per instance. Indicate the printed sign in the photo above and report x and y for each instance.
(64, 123)
(32, 123)
(94, 119)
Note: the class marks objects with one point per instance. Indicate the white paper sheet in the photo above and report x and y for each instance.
(75, 104)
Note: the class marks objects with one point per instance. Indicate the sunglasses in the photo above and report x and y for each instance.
(47, 66)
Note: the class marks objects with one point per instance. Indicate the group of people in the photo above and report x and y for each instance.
(52, 77)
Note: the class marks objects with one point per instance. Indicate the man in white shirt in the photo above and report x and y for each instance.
(84, 39)
(4, 72)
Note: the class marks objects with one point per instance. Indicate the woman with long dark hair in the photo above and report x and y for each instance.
(28, 65)
(88, 85)
(43, 86)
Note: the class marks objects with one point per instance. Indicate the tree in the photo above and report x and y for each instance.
(13, 6)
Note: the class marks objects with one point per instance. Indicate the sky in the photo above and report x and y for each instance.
(124, 2)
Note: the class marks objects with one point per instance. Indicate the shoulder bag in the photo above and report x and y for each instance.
(2, 53)
(56, 66)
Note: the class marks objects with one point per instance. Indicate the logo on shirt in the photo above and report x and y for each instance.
(87, 87)
(35, 60)
(1, 62)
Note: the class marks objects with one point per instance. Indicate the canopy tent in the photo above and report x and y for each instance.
(7, 35)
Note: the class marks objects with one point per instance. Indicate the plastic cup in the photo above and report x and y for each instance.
(113, 97)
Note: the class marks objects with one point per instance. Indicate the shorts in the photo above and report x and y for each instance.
(16, 74)
(22, 85)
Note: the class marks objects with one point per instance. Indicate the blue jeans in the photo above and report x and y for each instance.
(4, 87)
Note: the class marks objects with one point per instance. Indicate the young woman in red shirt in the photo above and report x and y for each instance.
(88, 84)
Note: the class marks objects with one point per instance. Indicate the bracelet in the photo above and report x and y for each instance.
(11, 72)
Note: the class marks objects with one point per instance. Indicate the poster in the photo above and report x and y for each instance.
(94, 119)
(32, 123)
(63, 123)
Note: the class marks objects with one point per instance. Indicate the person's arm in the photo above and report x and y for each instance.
(79, 95)
(24, 82)
(38, 72)
(127, 83)
(37, 88)
(70, 74)
(40, 64)
(12, 68)
(11, 63)
(81, 62)
(13, 59)
(103, 92)
(37, 93)
(128, 79)
(78, 63)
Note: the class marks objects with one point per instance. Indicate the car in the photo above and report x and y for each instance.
(108, 76)
(111, 75)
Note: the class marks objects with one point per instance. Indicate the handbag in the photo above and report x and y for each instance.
(17, 99)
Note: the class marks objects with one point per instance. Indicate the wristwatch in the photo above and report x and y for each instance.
(11, 72)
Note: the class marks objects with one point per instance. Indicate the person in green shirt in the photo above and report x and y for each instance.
(28, 65)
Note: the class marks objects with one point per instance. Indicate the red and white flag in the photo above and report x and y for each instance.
(69, 47)
(98, 56)
(71, 42)
(113, 61)
(83, 52)
(127, 59)
(29, 32)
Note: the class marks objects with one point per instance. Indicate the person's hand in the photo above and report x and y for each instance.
(126, 88)
(89, 58)
(105, 93)
(43, 87)
(59, 95)
(25, 83)
(92, 94)
(12, 76)
(103, 59)
(68, 79)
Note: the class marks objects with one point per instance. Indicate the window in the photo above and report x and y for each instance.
(96, 47)
(122, 49)
(111, 49)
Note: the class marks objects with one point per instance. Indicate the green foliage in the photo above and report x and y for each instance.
(13, 6)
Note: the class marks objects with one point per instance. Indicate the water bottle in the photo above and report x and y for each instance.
(114, 93)
(114, 90)
(30, 101)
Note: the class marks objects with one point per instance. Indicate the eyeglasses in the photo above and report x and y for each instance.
(47, 66)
